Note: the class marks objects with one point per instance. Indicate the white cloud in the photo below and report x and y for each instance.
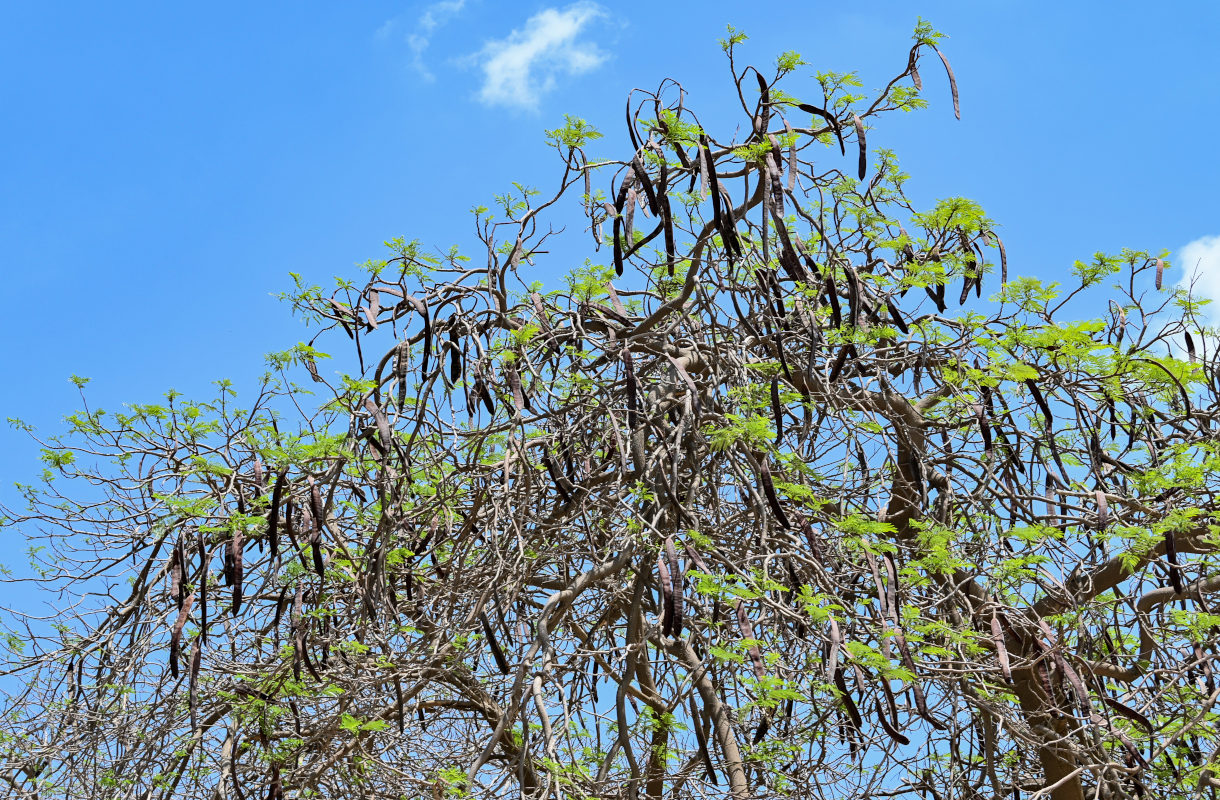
(522, 67)
(420, 36)
(1200, 262)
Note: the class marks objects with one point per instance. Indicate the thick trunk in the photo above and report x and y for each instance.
(1054, 751)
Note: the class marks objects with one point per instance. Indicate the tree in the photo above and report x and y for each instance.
(776, 501)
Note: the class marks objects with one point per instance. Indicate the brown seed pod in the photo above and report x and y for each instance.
(830, 118)
(1190, 347)
(852, 712)
(957, 110)
(888, 726)
(1041, 401)
(768, 487)
(1001, 649)
(236, 546)
(667, 597)
(675, 570)
(1130, 713)
(383, 424)
(747, 632)
(496, 652)
(1103, 511)
(1171, 553)
(193, 682)
(175, 633)
(862, 164)
(373, 309)
(1160, 272)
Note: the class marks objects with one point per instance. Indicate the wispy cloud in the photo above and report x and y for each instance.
(420, 35)
(1200, 261)
(520, 68)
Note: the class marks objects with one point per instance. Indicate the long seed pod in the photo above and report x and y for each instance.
(1130, 713)
(176, 560)
(297, 624)
(521, 400)
(633, 400)
(398, 705)
(886, 724)
(383, 424)
(832, 294)
(646, 184)
(373, 308)
(896, 317)
(852, 712)
(980, 414)
(402, 352)
(675, 570)
(747, 632)
(205, 562)
(175, 633)
(768, 487)
(1190, 347)
(556, 477)
(455, 355)
(1041, 401)
(957, 109)
(496, 652)
(862, 165)
(1001, 649)
(275, 791)
(315, 544)
(1160, 273)
(236, 546)
(1171, 552)
(192, 695)
(913, 68)
(1103, 509)
(777, 410)
(826, 115)
(840, 361)
(701, 739)
(667, 598)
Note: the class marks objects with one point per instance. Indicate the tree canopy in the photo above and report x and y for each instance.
(790, 489)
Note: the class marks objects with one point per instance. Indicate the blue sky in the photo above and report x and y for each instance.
(164, 166)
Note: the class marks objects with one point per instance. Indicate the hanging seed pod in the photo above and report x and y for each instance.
(777, 410)
(957, 110)
(888, 726)
(235, 558)
(1001, 649)
(980, 415)
(1160, 273)
(455, 355)
(830, 118)
(496, 652)
(852, 712)
(764, 478)
(667, 597)
(373, 309)
(1130, 713)
(402, 353)
(862, 164)
(175, 633)
(1103, 511)
(1041, 401)
(1190, 347)
(383, 424)
(177, 565)
(747, 632)
(913, 68)
(896, 317)
(1171, 552)
(192, 696)
(675, 569)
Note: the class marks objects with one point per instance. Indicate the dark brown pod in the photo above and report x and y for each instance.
(862, 165)
(175, 633)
